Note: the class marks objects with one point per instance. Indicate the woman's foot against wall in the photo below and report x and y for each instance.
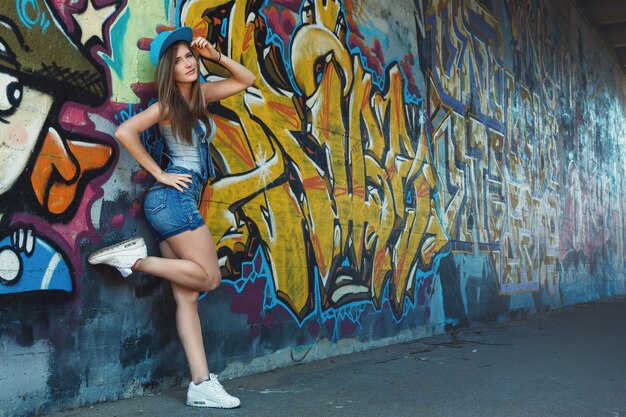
(123, 256)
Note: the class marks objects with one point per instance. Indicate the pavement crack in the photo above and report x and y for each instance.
(385, 361)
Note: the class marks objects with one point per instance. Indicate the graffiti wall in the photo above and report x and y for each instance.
(393, 172)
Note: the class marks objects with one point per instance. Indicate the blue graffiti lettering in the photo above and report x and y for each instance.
(31, 14)
(353, 311)
(132, 110)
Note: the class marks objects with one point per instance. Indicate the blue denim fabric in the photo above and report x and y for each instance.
(208, 171)
(169, 211)
(155, 147)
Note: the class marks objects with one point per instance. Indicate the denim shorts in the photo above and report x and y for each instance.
(171, 212)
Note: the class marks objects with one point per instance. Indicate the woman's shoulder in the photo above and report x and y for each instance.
(156, 106)
(154, 110)
(159, 109)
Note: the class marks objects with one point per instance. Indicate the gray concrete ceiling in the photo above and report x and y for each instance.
(609, 18)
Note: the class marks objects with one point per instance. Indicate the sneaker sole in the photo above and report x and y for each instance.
(206, 404)
(136, 241)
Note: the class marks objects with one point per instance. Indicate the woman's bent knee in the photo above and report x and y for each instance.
(213, 281)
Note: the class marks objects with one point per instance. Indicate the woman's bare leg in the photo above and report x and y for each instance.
(195, 267)
(188, 324)
(189, 262)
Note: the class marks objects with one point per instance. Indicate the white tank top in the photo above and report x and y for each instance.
(180, 153)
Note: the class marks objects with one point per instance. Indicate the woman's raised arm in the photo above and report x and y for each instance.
(242, 77)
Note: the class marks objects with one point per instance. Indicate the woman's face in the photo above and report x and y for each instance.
(185, 65)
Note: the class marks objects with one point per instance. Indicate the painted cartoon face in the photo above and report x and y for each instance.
(185, 65)
(52, 164)
(23, 112)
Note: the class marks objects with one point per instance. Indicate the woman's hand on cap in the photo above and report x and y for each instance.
(205, 49)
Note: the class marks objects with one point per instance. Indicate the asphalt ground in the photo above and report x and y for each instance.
(569, 362)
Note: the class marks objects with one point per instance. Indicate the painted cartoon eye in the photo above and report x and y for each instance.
(10, 94)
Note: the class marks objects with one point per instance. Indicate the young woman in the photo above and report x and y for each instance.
(188, 255)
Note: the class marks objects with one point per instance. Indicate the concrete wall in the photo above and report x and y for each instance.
(397, 168)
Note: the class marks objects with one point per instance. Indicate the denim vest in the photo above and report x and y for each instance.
(208, 171)
(155, 147)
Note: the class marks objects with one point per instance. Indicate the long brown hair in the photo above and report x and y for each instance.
(183, 116)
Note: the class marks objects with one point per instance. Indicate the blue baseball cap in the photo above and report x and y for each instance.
(165, 39)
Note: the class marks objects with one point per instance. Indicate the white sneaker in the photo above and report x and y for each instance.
(210, 393)
(122, 256)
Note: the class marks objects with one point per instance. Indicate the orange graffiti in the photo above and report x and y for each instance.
(61, 165)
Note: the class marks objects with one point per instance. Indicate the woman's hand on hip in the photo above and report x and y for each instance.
(205, 49)
(178, 181)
